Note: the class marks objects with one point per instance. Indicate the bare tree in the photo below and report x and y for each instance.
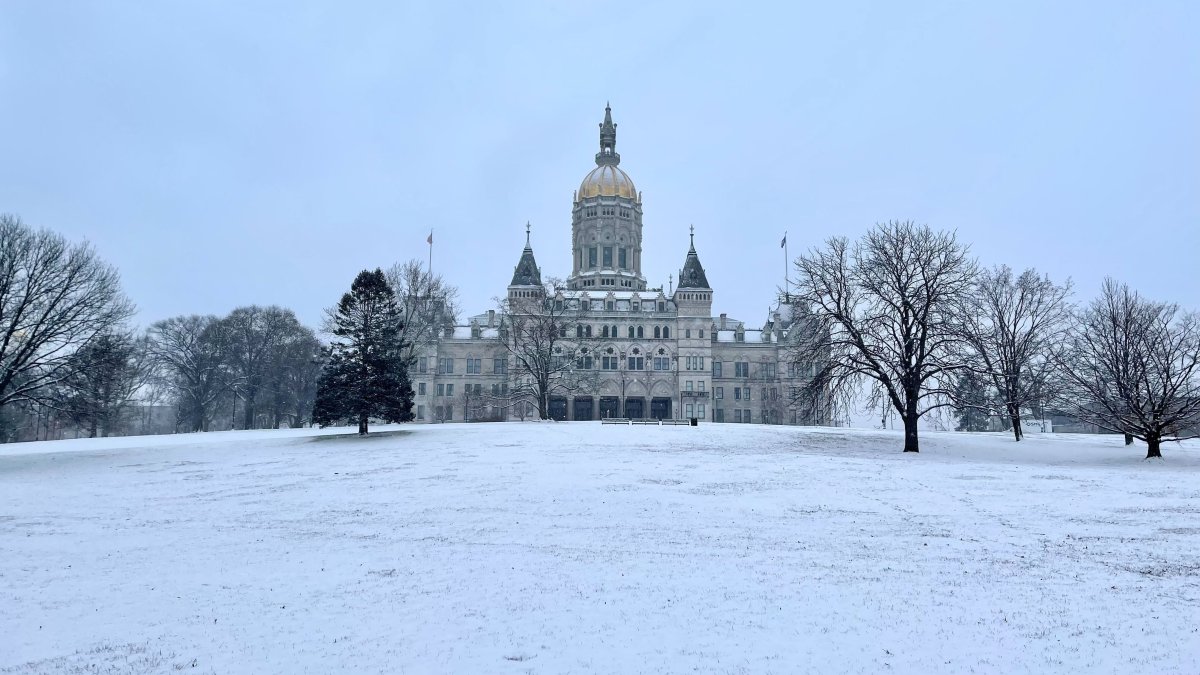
(104, 380)
(540, 334)
(192, 352)
(473, 403)
(427, 304)
(882, 310)
(258, 338)
(55, 297)
(292, 377)
(1133, 366)
(1010, 329)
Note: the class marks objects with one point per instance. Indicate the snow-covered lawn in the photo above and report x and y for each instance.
(555, 548)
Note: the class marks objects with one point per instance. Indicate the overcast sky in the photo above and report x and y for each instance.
(229, 153)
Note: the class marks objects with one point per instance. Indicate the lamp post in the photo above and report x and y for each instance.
(622, 366)
(233, 413)
(678, 411)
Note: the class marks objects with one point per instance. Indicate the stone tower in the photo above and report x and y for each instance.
(527, 276)
(606, 223)
(693, 295)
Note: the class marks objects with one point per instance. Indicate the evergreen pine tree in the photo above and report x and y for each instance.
(971, 402)
(366, 375)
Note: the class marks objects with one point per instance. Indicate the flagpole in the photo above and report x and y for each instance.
(431, 254)
(787, 282)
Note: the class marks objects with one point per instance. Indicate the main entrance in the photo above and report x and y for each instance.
(635, 408)
(660, 408)
(558, 408)
(583, 408)
(610, 406)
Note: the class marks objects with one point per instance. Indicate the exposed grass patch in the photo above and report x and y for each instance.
(354, 436)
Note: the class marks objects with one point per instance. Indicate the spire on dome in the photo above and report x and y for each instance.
(608, 140)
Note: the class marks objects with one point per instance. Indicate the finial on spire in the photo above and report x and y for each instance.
(608, 140)
(692, 235)
(527, 227)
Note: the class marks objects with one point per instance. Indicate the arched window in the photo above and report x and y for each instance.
(613, 332)
(604, 333)
(657, 332)
(578, 331)
(632, 331)
(666, 332)
(587, 331)
(640, 332)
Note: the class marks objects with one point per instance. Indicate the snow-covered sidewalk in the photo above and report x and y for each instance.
(554, 548)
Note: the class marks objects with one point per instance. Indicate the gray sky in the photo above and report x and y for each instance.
(221, 154)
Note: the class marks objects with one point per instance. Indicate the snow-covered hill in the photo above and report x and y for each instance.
(553, 548)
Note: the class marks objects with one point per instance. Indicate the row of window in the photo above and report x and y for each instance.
(445, 413)
(743, 393)
(660, 332)
(598, 305)
(445, 366)
(623, 283)
(474, 366)
(446, 389)
(661, 363)
(592, 212)
(602, 256)
(740, 415)
(613, 363)
(767, 370)
(633, 332)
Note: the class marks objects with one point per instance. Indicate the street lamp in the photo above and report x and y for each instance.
(679, 388)
(622, 365)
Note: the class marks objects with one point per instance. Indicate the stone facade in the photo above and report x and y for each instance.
(649, 353)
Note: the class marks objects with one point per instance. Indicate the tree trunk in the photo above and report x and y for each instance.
(362, 425)
(1014, 416)
(1153, 446)
(248, 413)
(910, 430)
(1128, 439)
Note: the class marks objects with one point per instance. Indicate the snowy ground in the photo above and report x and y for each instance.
(553, 548)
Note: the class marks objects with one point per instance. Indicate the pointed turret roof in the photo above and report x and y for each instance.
(526, 272)
(692, 275)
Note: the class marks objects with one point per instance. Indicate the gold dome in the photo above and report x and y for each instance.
(607, 180)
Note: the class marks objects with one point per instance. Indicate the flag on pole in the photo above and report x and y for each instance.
(784, 242)
(430, 239)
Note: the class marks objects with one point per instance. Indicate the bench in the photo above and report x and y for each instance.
(645, 420)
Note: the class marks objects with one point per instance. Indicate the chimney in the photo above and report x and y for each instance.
(722, 320)
(491, 318)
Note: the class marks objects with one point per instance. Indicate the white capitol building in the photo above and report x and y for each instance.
(648, 353)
